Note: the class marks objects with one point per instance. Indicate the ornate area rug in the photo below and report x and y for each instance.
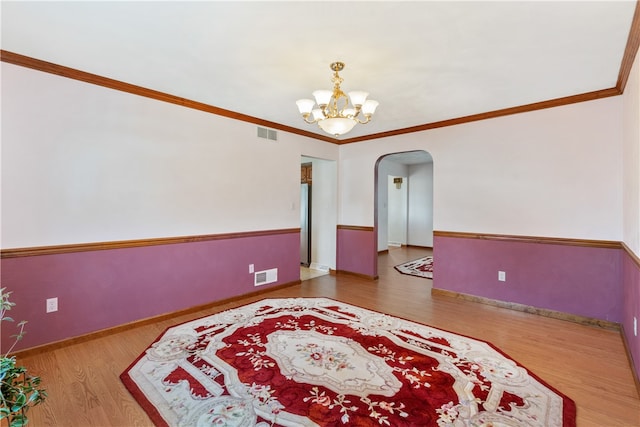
(421, 267)
(320, 362)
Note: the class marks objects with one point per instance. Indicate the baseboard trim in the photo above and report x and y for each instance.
(142, 322)
(630, 359)
(420, 247)
(583, 320)
(351, 273)
(319, 267)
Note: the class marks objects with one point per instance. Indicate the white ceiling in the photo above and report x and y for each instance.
(410, 157)
(424, 61)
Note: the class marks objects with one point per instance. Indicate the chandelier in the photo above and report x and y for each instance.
(334, 114)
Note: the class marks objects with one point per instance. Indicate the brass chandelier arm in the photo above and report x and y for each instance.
(357, 119)
(305, 117)
(363, 122)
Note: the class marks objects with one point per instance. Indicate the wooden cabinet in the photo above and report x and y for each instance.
(305, 173)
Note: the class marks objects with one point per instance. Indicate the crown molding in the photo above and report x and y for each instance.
(631, 49)
(589, 96)
(83, 76)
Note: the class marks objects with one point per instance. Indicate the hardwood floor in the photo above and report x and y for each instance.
(586, 363)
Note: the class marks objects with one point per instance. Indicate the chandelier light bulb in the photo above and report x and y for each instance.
(323, 97)
(358, 97)
(369, 107)
(335, 112)
(317, 114)
(305, 106)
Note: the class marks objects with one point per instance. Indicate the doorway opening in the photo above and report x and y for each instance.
(306, 178)
(404, 204)
(318, 216)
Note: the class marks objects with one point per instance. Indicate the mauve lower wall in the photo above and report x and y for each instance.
(356, 251)
(578, 280)
(105, 288)
(631, 306)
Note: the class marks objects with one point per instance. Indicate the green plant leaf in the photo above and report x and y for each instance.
(19, 421)
(18, 390)
(35, 396)
(6, 304)
(21, 400)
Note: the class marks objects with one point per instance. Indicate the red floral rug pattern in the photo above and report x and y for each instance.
(320, 362)
(421, 267)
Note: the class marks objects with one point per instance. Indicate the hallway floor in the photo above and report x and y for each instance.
(310, 273)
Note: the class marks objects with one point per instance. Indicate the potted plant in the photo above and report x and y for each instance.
(19, 391)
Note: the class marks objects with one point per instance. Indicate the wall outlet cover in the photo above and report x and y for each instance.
(52, 305)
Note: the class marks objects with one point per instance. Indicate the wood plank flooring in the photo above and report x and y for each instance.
(586, 363)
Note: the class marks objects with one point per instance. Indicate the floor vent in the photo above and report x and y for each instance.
(266, 276)
(267, 134)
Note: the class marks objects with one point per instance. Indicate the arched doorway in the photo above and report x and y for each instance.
(404, 200)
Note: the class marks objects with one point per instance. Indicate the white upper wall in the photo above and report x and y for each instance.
(82, 163)
(555, 172)
(420, 212)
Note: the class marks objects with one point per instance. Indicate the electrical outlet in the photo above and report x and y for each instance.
(52, 305)
(251, 268)
(502, 276)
